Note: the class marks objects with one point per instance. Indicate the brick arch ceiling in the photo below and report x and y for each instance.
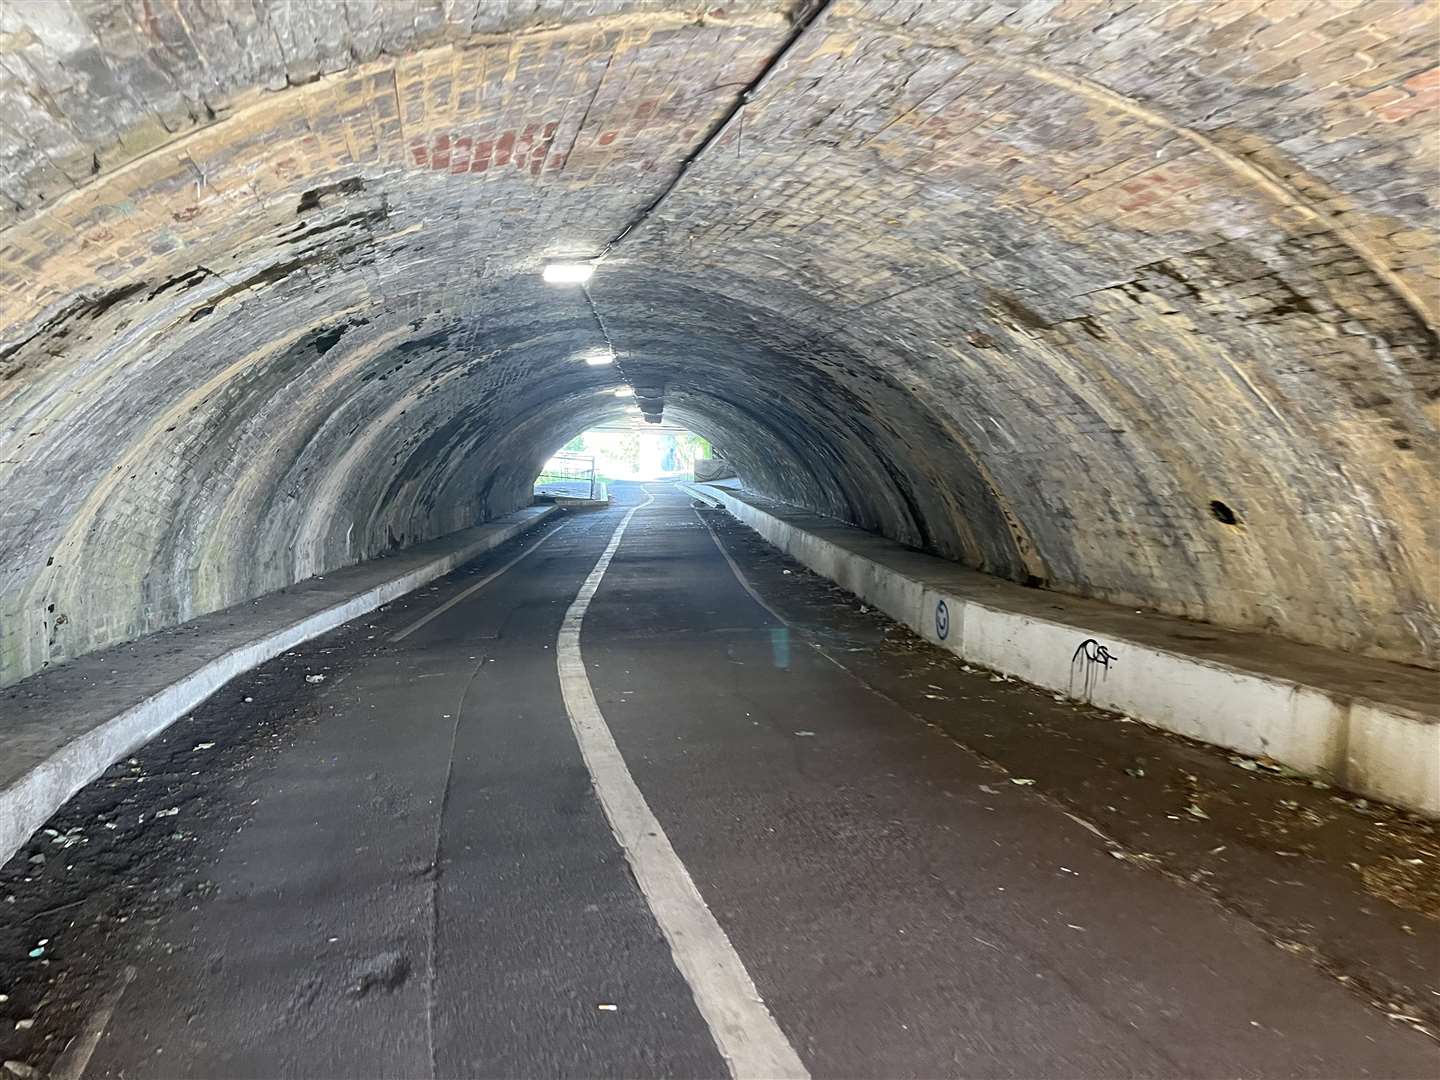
(1029, 285)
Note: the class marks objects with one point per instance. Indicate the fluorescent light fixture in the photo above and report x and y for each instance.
(598, 357)
(624, 391)
(568, 273)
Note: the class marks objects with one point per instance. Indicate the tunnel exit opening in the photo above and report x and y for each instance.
(620, 451)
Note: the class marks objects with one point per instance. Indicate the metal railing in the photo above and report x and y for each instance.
(571, 475)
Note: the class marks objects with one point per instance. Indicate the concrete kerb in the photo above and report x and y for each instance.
(1377, 749)
(26, 804)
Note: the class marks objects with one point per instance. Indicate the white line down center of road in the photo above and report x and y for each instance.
(401, 635)
(744, 1031)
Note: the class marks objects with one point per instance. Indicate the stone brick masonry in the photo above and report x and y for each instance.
(1132, 300)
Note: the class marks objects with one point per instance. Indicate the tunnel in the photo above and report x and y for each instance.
(1054, 291)
(1031, 666)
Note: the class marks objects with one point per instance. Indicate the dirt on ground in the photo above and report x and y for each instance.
(1350, 884)
(77, 902)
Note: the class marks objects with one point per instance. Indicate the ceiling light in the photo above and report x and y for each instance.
(568, 273)
(624, 391)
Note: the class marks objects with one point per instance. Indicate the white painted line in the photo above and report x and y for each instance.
(739, 576)
(745, 584)
(31, 798)
(744, 1031)
(76, 1058)
(401, 635)
(1378, 747)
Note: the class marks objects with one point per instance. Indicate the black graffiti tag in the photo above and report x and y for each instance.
(1092, 654)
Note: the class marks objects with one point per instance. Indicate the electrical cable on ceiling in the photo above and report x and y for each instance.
(806, 18)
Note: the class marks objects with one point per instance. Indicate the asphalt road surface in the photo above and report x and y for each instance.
(713, 847)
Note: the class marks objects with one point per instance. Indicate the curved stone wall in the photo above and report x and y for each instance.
(1131, 301)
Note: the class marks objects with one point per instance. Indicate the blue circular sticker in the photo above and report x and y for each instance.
(942, 621)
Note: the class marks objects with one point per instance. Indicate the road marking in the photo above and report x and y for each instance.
(739, 575)
(401, 635)
(754, 595)
(76, 1058)
(744, 1031)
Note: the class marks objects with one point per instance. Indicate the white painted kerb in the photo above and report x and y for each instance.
(1387, 754)
(28, 803)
